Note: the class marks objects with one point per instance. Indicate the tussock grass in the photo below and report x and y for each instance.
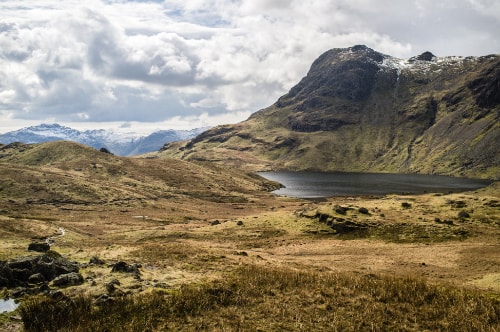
(274, 299)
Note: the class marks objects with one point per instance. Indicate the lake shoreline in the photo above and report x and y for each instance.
(314, 185)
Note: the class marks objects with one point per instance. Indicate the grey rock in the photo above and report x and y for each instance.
(36, 278)
(69, 279)
(46, 267)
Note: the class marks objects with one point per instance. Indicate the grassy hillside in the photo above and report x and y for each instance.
(358, 110)
(66, 172)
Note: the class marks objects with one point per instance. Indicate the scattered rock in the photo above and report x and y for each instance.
(405, 205)
(463, 215)
(340, 209)
(68, 279)
(457, 204)
(215, 222)
(323, 217)
(363, 210)
(161, 285)
(447, 222)
(239, 223)
(127, 268)
(96, 261)
(347, 226)
(111, 286)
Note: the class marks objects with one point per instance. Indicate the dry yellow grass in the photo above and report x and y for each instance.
(191, 230)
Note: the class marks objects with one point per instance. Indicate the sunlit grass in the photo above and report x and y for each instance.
(273, 299)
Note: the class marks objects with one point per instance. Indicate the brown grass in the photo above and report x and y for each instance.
(275, 299)
(229, 275)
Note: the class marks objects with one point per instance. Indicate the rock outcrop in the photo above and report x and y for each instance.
(35, 269)
(39, 247)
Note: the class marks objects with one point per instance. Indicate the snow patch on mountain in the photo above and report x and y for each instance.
(120, 142)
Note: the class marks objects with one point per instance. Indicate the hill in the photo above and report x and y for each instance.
(68, 172)
(119, 141)
(360, 110)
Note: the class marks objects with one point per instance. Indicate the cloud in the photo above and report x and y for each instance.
(204, 61)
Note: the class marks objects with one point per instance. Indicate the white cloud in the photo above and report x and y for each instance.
(204, 61)
(487, 7)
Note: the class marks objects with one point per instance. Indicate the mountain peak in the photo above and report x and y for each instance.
(426, 56)
(343, 73)
(355, 53)
(361, 110)
(45, 127)
(118, 142)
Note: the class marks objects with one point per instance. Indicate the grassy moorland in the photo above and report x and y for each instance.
(257, 298)
(216, 251)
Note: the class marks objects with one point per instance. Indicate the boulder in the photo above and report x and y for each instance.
(39, 247)
(69, 279)
(426, 56)
(96, 261)
(36, 278)
(111, 286)
(124, 267)
(22, 271)
(347, 226)
(127, 268)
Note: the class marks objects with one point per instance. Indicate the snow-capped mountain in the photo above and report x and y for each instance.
(119, 142)
(360, 110)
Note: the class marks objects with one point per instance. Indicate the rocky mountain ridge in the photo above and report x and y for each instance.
(361, 110)
(123, 143)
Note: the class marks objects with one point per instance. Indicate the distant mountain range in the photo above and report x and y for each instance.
(361, 110)
(118, 142)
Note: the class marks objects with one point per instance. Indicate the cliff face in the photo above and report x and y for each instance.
(360, 110)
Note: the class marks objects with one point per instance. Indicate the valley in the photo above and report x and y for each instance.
(191, 238)
(183, 223)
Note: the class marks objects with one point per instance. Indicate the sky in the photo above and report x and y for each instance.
(180, 64)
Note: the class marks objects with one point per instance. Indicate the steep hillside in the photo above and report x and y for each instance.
(360, 110)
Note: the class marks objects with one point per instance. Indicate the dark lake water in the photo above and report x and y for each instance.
(317, 184)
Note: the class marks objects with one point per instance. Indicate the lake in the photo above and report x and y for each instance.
(319, 184)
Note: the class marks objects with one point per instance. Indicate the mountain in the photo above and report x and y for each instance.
(361, 110)
(118, 142)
